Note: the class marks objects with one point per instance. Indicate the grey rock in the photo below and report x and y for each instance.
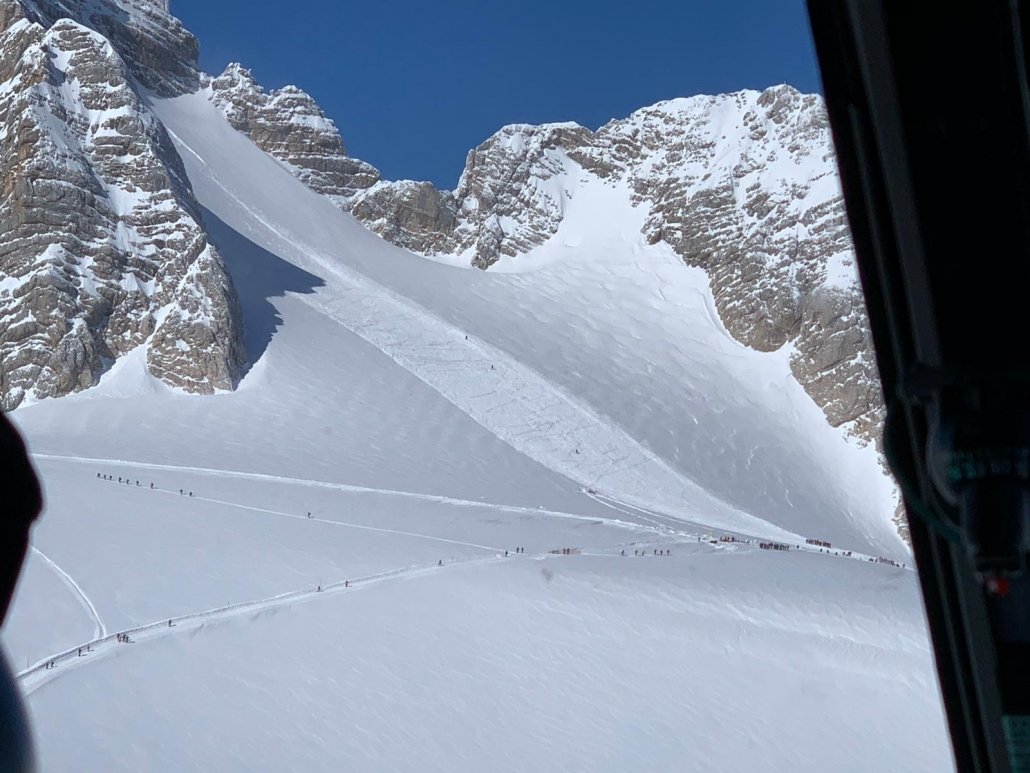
(414, 215)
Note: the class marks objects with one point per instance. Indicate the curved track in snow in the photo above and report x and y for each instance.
(108, 644)
(84, 600)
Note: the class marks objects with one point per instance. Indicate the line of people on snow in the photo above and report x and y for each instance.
(129, 481)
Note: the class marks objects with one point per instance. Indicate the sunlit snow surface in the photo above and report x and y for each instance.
(422, 456)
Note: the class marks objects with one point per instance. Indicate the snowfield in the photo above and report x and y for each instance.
(319, 571)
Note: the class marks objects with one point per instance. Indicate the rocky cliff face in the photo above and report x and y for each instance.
(741, 185)
(745, 186)
(101, 246)
(158, 51)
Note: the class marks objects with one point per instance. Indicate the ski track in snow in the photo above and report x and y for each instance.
(316, 519)
(502, 394)
(76, 589)
(435, 498)
(642, 519)
(107, 644)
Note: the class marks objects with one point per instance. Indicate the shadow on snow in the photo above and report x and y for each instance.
(259, 276)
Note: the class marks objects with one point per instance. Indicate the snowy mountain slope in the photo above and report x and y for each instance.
(717, 657)
(743, 185)
(619, 328)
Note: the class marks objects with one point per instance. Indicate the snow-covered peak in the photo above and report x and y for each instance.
(236, 76)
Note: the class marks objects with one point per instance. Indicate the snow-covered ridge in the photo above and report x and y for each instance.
(743, 185)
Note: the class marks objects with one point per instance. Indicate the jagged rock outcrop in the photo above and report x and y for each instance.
(159, 51)
(504, 205)
(511, 196)
(414, 215)
(101, 247)
(289, 125)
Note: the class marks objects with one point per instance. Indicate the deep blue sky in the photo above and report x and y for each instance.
(413, 84)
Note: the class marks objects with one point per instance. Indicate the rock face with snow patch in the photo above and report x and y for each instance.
(509, 200)
(745, 186)
(157, 49)
(101, 247)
